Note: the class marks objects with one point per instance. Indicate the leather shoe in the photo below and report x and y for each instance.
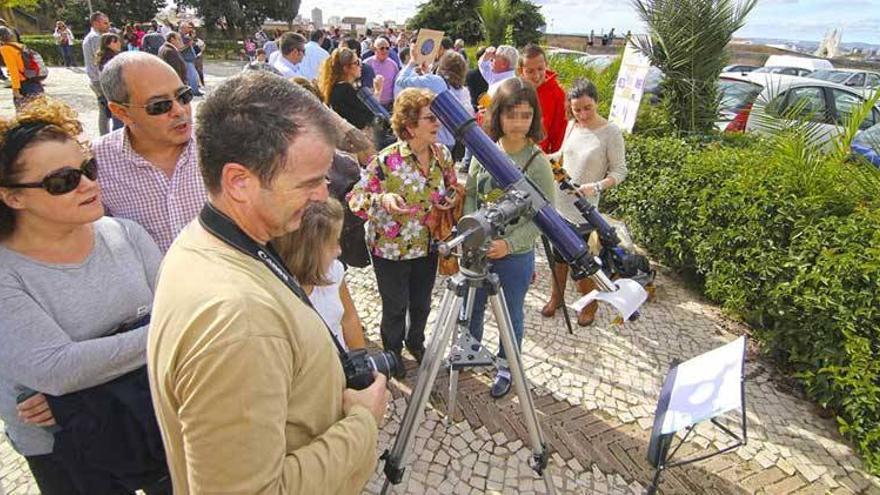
(400, 371)
(417, 354)
(501, 387)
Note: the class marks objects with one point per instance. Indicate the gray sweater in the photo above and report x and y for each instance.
(56, 321)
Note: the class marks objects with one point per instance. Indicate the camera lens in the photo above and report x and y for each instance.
(386, 363)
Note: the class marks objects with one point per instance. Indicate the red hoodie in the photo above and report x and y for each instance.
(551, 97)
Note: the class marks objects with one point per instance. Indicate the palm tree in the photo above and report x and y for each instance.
(686, 40)
(495, 17)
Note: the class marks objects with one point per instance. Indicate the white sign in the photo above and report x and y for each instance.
(629, 88)
(706, 386)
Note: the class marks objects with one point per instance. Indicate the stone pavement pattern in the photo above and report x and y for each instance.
(595, 391)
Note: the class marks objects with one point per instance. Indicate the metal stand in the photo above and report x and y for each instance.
(455, 311)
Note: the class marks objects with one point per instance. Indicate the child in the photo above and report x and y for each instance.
(514, 121)
(310, 254)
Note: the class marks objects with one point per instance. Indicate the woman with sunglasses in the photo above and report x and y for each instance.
(71, 280)
(399, 192)
(337, 78)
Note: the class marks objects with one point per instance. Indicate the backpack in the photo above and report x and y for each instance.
(34, 67)
(344, 174)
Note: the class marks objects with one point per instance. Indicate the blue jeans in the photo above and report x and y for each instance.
(515, 274)
(66, 55)
(192, 77)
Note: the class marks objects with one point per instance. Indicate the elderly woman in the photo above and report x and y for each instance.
(514, 121)
(593, 155)
(401, 188)
(451, 71)
(75, 294)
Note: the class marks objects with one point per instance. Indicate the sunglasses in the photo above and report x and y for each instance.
(430, 118)
(62, 181)
(383, 48)
(184, 96)
(356, 62)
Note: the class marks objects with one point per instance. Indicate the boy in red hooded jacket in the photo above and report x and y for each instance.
(532, 67)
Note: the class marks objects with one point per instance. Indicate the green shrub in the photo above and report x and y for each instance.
(47, 48)
(791, 246)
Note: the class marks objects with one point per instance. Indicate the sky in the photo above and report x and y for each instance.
(806, 20)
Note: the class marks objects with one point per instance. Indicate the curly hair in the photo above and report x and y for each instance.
(40, 120)
(321, 224)
(407, 107)
(453, 68)
(333, 70)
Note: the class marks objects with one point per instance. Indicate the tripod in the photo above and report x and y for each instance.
(466, 351)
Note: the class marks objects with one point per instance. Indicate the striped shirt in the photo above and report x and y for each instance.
(133, 188)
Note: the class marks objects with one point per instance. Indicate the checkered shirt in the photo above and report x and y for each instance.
(133, 188)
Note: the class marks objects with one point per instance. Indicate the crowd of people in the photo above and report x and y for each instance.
(221, 371)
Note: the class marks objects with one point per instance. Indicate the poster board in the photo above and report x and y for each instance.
(629, 88)
(427, 46)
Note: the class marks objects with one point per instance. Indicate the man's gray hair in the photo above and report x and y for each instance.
(508, 53)
(113, 76)
(251, 119)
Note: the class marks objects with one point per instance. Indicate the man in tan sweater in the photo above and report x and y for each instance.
(247, 384)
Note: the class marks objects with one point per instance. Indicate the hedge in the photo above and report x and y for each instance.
(792, 247)
(45, 45)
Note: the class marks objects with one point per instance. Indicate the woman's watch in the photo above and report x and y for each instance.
(598, 186)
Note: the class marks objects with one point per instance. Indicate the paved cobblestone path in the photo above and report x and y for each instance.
(595, 392)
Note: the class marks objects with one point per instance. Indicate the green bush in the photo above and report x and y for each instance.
(47, 48)
(791, 248)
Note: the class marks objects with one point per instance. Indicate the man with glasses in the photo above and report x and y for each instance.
(149, 171)
(293, 49)
(383, 65)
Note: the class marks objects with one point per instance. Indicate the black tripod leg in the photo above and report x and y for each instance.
(556, 282)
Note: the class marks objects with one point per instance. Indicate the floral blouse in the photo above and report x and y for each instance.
(401, 236)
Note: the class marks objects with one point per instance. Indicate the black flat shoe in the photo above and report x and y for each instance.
(418, 354)
(501, 387)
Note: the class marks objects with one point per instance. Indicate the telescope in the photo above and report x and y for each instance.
(566, 240)
(366, 97)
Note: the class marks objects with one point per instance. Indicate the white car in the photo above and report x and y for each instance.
(748, 102)
(864, 81)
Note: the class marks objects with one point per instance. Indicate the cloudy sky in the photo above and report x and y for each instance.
(788, 19)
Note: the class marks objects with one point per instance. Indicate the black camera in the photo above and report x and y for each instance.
(359, 367)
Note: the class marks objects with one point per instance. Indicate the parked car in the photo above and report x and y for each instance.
(866, 82)
(565, 53)
(750, 101)
(867, 144)
(741, 68)
(788, 71)
(794, 61)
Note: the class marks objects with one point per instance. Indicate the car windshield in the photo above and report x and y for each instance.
(830, 75)
(736, 95)
(768, 70)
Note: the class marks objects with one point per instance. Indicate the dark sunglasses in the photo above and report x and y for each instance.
(383, 48)
(184, 96)
(62, 181)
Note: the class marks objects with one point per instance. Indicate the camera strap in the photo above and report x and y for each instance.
(222, 227)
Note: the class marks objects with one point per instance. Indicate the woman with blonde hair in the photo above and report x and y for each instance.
(337, 79)
(400, 192)
(311, 253)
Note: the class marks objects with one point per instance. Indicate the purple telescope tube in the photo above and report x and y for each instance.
(569, 244)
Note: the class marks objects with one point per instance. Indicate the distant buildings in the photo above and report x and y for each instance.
(317, 18)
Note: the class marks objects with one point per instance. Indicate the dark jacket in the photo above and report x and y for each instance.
(108, 437)
(170, 54)
(344, 100)
(476, 85)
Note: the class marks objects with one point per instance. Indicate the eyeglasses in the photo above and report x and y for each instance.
(356, 62)
(62, 181)
(383, 48)
(184, 96)
(430, 118)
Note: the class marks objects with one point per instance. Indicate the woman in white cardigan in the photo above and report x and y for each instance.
(593, 155)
